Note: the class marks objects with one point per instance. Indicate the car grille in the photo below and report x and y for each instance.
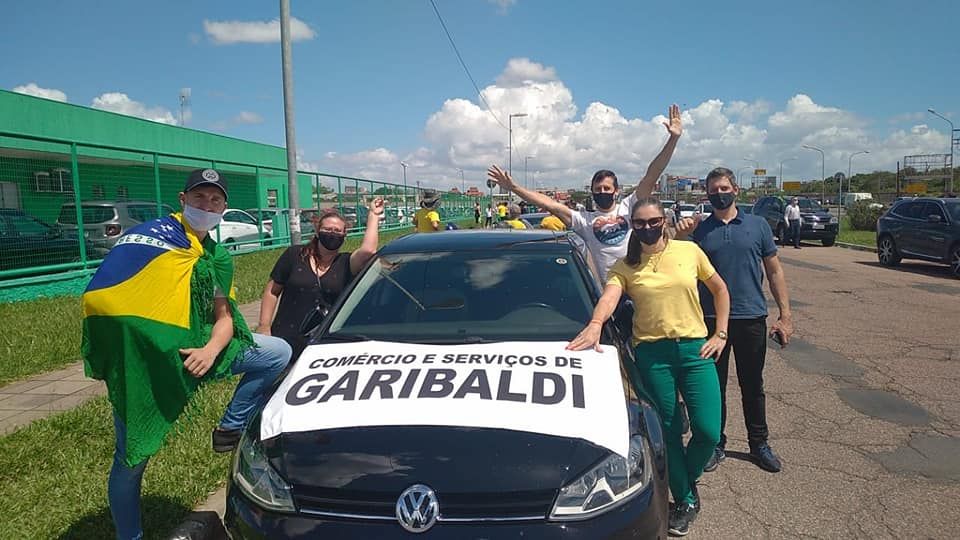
(453, 506)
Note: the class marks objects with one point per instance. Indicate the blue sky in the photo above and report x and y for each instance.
(377, 82)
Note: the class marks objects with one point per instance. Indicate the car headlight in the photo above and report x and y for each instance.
(257, 479)
(833, 220)
(606, 484)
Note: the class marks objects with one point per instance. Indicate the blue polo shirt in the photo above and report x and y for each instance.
(737, 250)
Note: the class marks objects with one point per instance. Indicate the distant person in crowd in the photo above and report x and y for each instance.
(401, 216)
(604, 231)
(523, 207)
(553, 223)
(513, 220)
(160, 319)
(476, 213)
(427, 219)
(312, 276)
(673, 352)
(792, 215)
(741, 248)
(502, 211)
(488, 220)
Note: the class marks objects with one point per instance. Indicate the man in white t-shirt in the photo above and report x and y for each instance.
(606, 230)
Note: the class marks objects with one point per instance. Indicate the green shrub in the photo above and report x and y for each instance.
(863, 215)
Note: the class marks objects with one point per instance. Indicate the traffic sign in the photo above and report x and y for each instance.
(791, 186)
(918, 187)
(759, 172)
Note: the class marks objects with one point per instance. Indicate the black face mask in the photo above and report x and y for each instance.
(649, 235)
(604, 200)
(722, 201)
(330, 241)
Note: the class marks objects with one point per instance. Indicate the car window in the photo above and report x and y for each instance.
(954, 209)
(467, 295)
(91, 214)
(27, 226)
(932, 209)
(911, 210)
(238, 217)
(146, 212)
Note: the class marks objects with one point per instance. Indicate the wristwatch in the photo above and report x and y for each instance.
(721, 334)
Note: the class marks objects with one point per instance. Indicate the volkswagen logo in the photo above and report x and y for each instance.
(417, 508)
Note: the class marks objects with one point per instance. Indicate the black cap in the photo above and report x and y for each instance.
(206, 177)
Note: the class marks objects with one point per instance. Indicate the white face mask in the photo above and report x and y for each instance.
(201, 220)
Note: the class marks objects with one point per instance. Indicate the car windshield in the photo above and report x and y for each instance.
(91, 214)
(810, 205)
(466, 297)
(954, 209)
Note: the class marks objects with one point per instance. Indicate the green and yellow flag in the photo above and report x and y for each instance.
(152, 296)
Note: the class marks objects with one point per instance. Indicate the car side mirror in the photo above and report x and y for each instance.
(933, 218)
(313, 320)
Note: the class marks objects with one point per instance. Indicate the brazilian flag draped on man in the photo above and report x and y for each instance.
(152, 296)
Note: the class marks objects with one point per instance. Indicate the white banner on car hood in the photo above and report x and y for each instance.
(535, 387)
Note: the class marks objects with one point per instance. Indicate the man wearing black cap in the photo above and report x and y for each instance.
(427, 219)
(161, 361)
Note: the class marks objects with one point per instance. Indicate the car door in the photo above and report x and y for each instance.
(932, 231)
(906, 234)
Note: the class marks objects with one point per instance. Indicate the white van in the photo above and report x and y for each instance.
(850, 198)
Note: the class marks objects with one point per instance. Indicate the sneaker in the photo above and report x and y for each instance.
(225, 440)
(681, 518)
(715, 460)
(696, 505)
(763, 455)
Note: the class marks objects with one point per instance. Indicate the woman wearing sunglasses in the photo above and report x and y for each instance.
(313, 275)
(673, 353)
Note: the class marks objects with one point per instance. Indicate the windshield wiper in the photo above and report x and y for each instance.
(404, 291)
(345, 337)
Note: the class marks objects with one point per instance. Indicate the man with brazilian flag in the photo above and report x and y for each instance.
(159, 319)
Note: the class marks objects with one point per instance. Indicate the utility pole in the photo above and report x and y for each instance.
(286, 55)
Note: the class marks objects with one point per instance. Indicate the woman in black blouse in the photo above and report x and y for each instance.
(314, 274)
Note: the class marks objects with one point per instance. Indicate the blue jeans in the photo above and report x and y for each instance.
(260, 366)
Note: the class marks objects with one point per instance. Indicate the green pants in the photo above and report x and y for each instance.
(669, 366)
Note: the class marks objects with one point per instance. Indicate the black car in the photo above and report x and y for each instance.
(923, 228)
(453, 290)
(816, 222)
(27, 242)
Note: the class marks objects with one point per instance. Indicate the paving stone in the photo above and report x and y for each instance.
(63, 388)
(26, 402)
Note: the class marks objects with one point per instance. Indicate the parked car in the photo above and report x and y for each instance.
(687, 210)
(704, 208)
(533, 220)
(26, 241)
(266, 217)
(923, 228)
(451, 293)
(239, 231)
(816, 222)
(104, 222)
(745, 208)
(850, 198)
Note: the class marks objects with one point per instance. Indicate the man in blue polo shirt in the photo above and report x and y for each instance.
(740, 246)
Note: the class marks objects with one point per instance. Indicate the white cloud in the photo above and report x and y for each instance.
(569, 145)
(247, 117)
(230, 32)
(32, 89)
(119, 102)
(503, 5)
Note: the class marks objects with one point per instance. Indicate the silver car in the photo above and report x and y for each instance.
(106, 221)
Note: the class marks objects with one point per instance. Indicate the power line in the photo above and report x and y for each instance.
(464, 64)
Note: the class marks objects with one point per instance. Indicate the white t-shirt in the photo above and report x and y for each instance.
(605, 234)
(792, 212)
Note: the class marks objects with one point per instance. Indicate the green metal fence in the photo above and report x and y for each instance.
(64, 204)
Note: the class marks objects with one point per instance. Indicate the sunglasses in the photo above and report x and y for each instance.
(648, 223)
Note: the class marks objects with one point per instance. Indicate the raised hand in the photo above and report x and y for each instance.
(675, 125)
(376, 206)
(500, 177)
(687, 225)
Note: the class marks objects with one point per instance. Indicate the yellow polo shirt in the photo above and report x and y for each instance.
(424, 218)
(502, 211)
(515, 223)
(663, 288)
(553, 223)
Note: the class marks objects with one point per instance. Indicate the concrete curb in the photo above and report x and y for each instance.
(856, 247)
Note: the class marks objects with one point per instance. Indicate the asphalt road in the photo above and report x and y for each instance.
(863, 408)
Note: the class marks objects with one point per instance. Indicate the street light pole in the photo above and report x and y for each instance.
(740, 176)
(840, 201)
(949, 141)
(781, 170)
(823, 177)
(510, 142)
(286, 61)
(756, 165)
(404, 165)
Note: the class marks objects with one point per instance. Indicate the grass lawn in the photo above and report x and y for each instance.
(53, 473)
(851, 236)
(44, 335)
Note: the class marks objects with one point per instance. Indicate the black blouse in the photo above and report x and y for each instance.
(303, 291)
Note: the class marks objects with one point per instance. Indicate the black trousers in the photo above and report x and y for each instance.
(747, 338)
